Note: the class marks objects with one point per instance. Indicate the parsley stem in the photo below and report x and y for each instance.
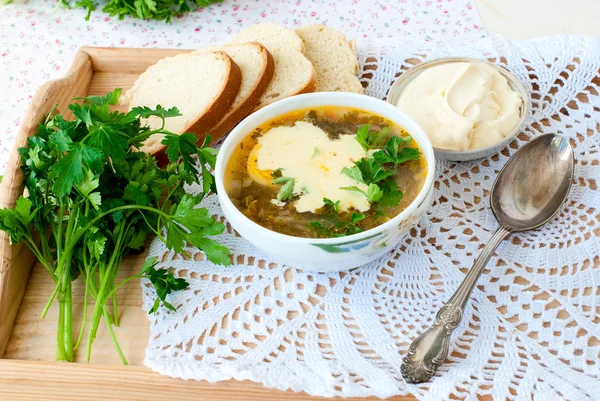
(115, 309)
(60, 348)
(147, 134)
(76, 237)
(150, 226)
(36, 252)
(113, 337)
(68, 331)
(114, 290)
(100, 306)
(49, 303)
(85, 305)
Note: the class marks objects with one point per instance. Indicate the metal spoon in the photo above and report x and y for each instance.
(530, 189)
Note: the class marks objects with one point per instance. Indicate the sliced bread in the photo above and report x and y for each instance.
(257, 66)
(294, 74)
(333, 56)
(201, 86)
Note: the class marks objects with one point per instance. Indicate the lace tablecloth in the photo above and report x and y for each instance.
(39, 40)
(531, 330)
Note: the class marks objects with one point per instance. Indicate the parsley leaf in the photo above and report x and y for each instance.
(164, 282)
(373, 193)
(331, 207)
(407, 154)
(334, 225)
(207, 155)
(362, 137)
(371, 171)
(319, 228)
(110, 139)
(276, 173)
(159, 111)
(287, 190)
(371, 139)
(183, 145)
(69, 169)
(355, 173)
(392, 152)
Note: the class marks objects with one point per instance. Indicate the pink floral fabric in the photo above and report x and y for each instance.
(39, 40)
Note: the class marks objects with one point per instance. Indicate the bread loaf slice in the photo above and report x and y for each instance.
(201, 86)
(294, 74)
(333, 56)
(257, 66)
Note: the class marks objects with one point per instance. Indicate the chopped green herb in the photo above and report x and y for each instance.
(287, 190)
(333, 225)
(392, 153)
(373, 194)
(331, 207)
(164, 282)
(276, 173)
(382, 187)
(315, 152)
(372, 139)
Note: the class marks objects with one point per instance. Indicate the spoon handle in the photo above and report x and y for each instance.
(430, 349)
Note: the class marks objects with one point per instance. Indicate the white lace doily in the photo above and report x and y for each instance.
(532, 328)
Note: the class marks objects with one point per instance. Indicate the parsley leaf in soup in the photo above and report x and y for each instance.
(407, 154)
(371, 139)
(355, 173)
(287, 189)
(331, 206)
(394, 153)
(276, 173)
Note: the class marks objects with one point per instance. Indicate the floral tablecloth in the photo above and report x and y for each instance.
(38, 40)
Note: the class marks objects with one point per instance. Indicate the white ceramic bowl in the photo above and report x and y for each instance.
(455, 155)
(326, 254)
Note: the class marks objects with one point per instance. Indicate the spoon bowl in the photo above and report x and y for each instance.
(529, 190)
(533, 184)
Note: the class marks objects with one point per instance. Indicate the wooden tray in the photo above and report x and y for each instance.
(27, 342)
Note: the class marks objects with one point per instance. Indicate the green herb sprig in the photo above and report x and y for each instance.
(287, 188)
(371, 170)
(333, 225)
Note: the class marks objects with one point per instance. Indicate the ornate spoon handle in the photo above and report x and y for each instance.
(430, 349)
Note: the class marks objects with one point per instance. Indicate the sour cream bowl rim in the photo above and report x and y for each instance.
(320, 99)
(464, 155)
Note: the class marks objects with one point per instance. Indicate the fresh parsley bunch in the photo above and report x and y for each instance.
(93, 197)
(142, 9)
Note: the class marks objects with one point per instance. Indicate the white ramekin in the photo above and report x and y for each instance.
(464, 155)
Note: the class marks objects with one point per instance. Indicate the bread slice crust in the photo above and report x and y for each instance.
(287, 48)
(222, 103)
(333, 56)
(230, 82)
(233, 117)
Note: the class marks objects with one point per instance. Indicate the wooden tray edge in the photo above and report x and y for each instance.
(72, 381)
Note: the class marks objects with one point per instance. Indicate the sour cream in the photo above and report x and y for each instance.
(305, 152)
(462, 106)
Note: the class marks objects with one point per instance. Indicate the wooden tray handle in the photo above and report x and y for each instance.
(59, 92)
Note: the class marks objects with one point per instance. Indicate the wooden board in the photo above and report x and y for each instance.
(27, 342)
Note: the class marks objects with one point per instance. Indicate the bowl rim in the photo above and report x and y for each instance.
(257, 118)
(513, 81)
